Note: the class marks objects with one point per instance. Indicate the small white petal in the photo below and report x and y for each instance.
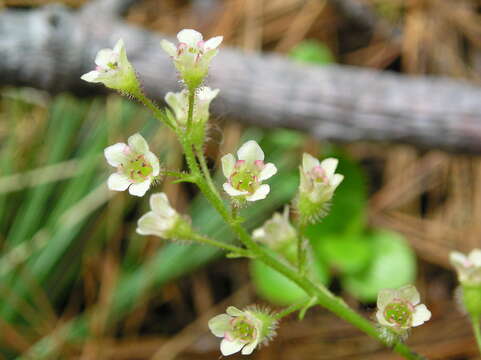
(148, 224)
(260, 193)
(457, 259)
(268, 171)
(475, 257)
(410, 293)
(233, 192)
(228, 163)
(153, 161)
(118, 182)
(309, 162)
(233, 311)
(259, 233)
(104, 57)
(91, 76)
(213, 43)
(138, 144)
(119, 46)
(336, 180)
(140, 189)
(249, 348)
(206, 94)
(329, 166)
(116, 154)
(219, 324)
(230, 347)
(190, 37)
(385, 297)
(159, 203)
(421, 315)
(250, 152)
(168, 47)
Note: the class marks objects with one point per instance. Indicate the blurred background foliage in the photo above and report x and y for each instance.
(79, 283)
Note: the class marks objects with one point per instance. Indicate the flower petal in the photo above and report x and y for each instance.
(154, 162)
(381, 319)
(233, 311)
(104, 57)
(190, 37)
(141, 188)
(91, 76)
(421, 315)
(329, 165)
(150, 224)
(475, 257)
(233, 192)
(250, 152)
(309, 162)
(213, 43)
(410, 293)
(228, 163)
(384, 297)
(138, 144)
(249, 348)
(268, 171)
(457, 259)
(159, 203)
(206, 94)
(168, 47)
(230, 347)
(118, 182)
(336, 180)
(260, 193)
(116, 154)
(219, 324)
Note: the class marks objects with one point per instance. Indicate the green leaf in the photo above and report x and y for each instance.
(347, 254)
(393, 265)
(312, 51)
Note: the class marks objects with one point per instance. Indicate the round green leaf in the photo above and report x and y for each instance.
(393, 265)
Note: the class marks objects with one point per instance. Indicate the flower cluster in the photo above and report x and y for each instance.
(113, 70)
(318, 181)
(243, 330)
(399, 310)
(136, 166)
(192, 55)
(245, 175)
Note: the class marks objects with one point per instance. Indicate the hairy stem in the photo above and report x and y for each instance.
(293, 308)
(208, 241)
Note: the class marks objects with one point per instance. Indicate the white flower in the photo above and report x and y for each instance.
(318, 179)
(245, 176)
(113, 69)
(400, 309)
(161, 221)
(136, 166)
(179, 103)
(467, 267)
(276, 232)
(243, 330)
(192, 55)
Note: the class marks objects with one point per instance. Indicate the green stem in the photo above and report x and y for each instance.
(208, 241)
(204, 168)
(477, 330)
(293, 308)
(190, 115)
(158, 114)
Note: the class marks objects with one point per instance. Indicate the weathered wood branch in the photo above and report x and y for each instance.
(51, 47)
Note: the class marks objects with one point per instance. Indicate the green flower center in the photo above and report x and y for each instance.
(243, 330)
(244, 180)
(399, 313)
(138, 169)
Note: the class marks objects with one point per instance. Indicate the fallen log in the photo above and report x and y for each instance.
(51, 46)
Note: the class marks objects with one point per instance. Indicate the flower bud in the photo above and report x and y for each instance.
(114, 70)
(136, 166)
(400, 310)
(277, 233)
(163, 221)
(192, 56)
(245, 175)
(318, 182)
(243, 330)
